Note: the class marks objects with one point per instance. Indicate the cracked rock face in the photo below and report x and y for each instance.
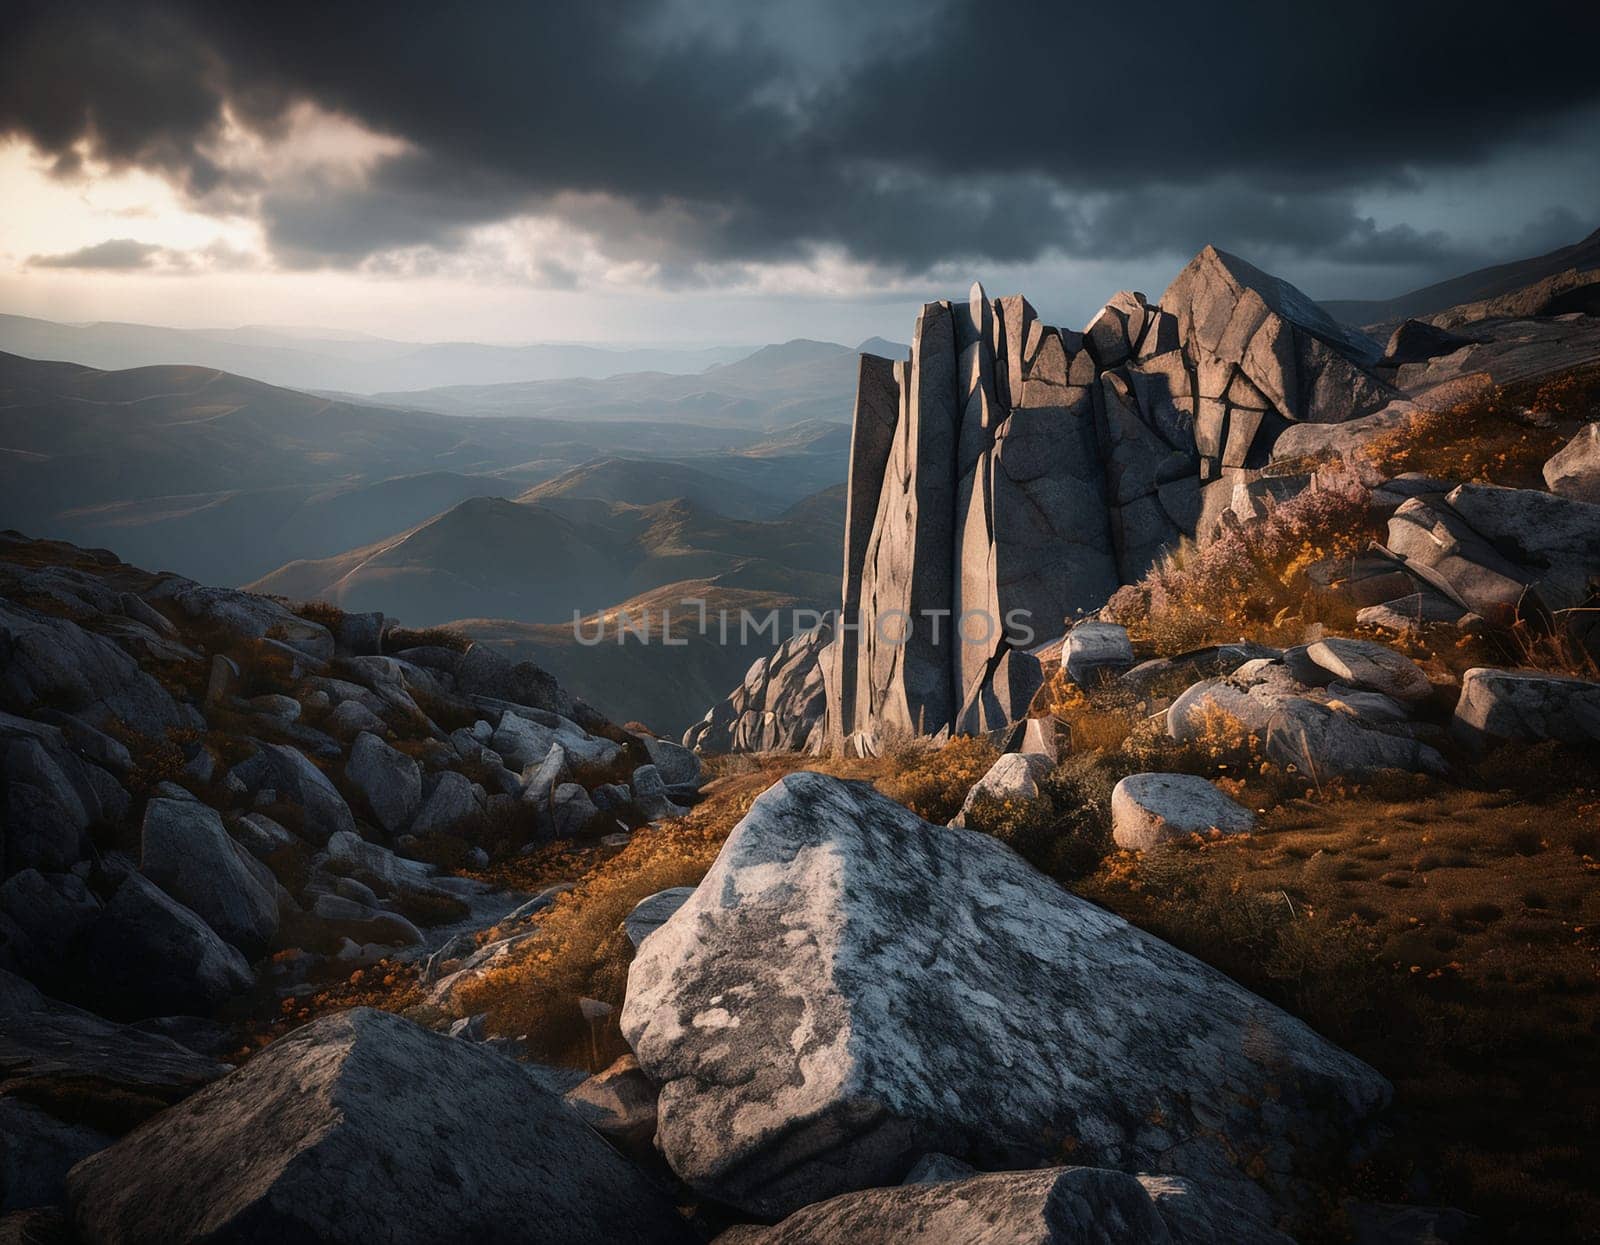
(850, 988)
(779, 703)
(363, 1127)
(1011, 474)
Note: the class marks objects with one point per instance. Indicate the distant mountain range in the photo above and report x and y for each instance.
(322, 360)
(1484, 283)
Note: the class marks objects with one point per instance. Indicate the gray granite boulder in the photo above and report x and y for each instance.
(807, 1043)
(679, 767)
(245, 615)
(1015, 776)
(652, 912)
(55, 661)
(572, 810)
(296, 780)
(1053, 1206)
(1096, 651)
(1527, 706)
(1293, 724)
(50, 797)
(618, 1103)
(1574, 470)
(779, 705)
(365, 1127)
(152, 956)
(184, 850)
(521, 741)
(44, 919)
(1370, 667)
(1148, 810)
(1555, 539)
(451, 808)
(36, 1152)
(389, 781)
(650, 794)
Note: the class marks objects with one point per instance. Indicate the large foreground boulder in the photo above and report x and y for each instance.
(364, 1127)
(851, 987)
(1054, 1206)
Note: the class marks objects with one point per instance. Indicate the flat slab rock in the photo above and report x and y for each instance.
(1148, 810)
(850, 988)
(364, 1127)
(1053, 1206)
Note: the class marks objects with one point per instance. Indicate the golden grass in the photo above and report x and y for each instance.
(1450, 937)
(1488, 438)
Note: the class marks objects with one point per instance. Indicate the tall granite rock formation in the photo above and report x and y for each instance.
(1011, 474)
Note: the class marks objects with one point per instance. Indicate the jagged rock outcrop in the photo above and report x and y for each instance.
(1010, 475)
(778, 705)
(850, 988)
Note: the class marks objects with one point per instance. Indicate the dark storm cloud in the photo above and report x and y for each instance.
(112, 255)
(906, 134)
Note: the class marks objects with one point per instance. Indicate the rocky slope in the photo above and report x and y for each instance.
(1015, 475)
(210, 803)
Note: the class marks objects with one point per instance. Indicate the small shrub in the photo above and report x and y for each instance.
(323, 613)
(1252, 579)
(401, 638)
(1066, 831)
(933, 783)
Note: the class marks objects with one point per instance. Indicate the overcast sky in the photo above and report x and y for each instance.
(733, 171)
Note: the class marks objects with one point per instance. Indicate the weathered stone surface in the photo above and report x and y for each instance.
(1231, 314)
(245, 615)
(1015, 776)
(49, 660)
(678, 766)
(1444, 551)
(288, 772)
(1294, 726)
(1414, 612)
(650, 794)
(389, 781)
(152, 956)
(335, 918)
(540, 781)
(520, 740)
(903, 677)
(44, 918)
(572, 810)
(1526, 705)
(363, 1127)
(1555, 540)
(778, 706)
(1217, 659)
(49, 796)
(653, 911)
(350, 718)
(806, 1042)
(1371, 667)
(1574, 470)
(185, 851)
(619, 1103)
(1416, 341)
(1054, 1206)
(1096, 651)
(452, 808)
(36, 1152)
(1148, 810)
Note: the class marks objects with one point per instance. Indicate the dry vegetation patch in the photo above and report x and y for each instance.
(1502, 436)
(1253, 579)
(1451, 938)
